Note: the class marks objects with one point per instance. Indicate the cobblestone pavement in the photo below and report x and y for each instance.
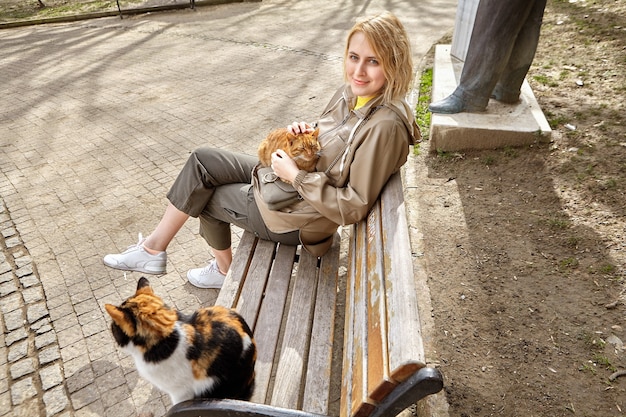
(97, 118)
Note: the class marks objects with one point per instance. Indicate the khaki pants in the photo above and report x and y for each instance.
(215, 186)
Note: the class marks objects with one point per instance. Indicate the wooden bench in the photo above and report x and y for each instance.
(293, 301)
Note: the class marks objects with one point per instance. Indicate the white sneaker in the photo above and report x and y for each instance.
(136, 258)
(207, 277)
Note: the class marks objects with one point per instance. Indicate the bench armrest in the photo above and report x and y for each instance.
(232, 408)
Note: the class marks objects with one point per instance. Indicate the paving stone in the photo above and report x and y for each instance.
(22, 390)
(85, 396)
(114, 395)
(69, 336)
(4, 380)
(35, 312)
(49, 354)
(8, 232)
(79, 380)
(45, 339)
(94, 327)
(5, 403)
(76, 363)
(28, 408)
(10, 303)
(6, 273)
(22, 367)
(122, 409)
(64, 322)
(56, 401)
(23, 260)
(110, 380)
(7, 287)
(42, 326)
(33, 294)
(26, 277)
(15, 336)
(51, 376)
(13, 242)
(18, 351)
(95, 409)
(14, 319)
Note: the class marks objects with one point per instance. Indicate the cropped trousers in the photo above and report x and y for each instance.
(214, 185)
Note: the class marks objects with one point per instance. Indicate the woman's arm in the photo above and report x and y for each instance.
(381, 153)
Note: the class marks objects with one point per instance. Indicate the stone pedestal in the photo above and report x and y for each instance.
(501, 125)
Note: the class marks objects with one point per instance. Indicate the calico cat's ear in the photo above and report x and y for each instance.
(120, 319)
(143, 286)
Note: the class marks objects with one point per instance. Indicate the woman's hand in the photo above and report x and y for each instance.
(284, 166)
(300, 127)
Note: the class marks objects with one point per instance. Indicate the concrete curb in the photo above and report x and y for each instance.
(127, 12)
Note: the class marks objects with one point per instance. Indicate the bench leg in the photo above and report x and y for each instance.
(424, 382)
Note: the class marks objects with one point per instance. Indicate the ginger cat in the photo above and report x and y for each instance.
(303, 148)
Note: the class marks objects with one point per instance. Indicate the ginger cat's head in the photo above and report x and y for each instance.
(303, 148)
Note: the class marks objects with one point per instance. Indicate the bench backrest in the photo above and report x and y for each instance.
(382, 342)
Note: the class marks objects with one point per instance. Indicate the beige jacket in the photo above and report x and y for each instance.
(361, 149)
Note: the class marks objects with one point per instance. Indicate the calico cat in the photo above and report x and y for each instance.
(208, 354)
(303, 148)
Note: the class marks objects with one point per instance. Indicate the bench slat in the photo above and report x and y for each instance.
(348, 330)
(406, 349)
(317, 386)
(291, 366)
(253, 287)
(379, 383)
(269, 320)
(229, 292)
(357, 402)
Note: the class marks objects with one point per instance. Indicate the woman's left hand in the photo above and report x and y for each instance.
(284, 166)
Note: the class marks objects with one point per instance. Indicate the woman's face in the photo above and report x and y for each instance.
(363, 69)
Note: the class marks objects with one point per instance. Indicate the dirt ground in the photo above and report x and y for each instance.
(529, 299)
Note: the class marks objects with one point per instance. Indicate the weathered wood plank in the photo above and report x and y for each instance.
(345, 405)
(317, 384)
(360, 406)
(268, 324)
(253, 287)
(229, 293)
(291, 366)
(406, 349)
(379, 383)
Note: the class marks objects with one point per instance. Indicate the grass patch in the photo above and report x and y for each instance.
(422, 114)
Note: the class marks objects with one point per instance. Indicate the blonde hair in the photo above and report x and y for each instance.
(390, 42)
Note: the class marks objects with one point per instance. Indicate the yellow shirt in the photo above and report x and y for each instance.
(361, 101)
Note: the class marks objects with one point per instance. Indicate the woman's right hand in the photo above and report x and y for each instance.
(300, 127)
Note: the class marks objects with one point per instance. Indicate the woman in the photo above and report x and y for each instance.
(365, 133)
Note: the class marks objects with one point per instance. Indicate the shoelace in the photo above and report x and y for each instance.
(212, 266)
(136, 245)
